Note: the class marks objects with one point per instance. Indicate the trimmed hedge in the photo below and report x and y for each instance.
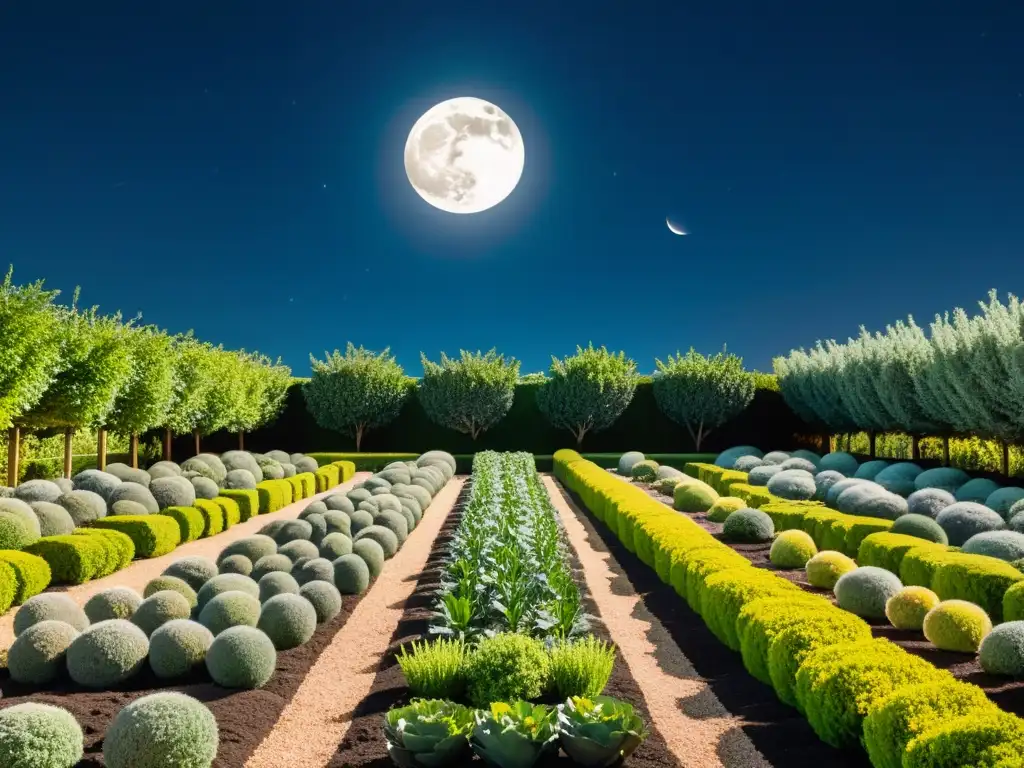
(303, 485)
(887, 550)
(755, 496)
(8, 585)
(190, 522)
(327, 477)
(248, 502)
(362, 462)
(31, 575)
(213, 517)
(274, 495)
(232, 512)
(84, 555)
(152, 535)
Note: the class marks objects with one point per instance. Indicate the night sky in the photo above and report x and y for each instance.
(236, 168)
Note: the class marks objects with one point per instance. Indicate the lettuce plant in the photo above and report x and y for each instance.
(428, 733)
(599, 732)
(514, 735)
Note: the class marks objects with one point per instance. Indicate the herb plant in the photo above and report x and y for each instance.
(435, 669)
(581, 667)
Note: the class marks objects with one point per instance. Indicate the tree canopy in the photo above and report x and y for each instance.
(469, 394)
(195, 374)
(143, 402)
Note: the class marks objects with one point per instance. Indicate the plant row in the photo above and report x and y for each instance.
(507, 568)
(265, 593)
(818, 657)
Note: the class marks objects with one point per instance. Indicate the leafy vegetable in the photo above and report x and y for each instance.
(514, 735)
(428, 732)
(598, 732)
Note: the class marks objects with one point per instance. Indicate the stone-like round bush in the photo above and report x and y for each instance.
(1015, 509)
(869, 469)
(173, 492)
(1003, 499)
(23, 511)
(866, 590)
(233, 460)
(277, 583)
(644, 471)
(792, 549)
(723, 507)
(1002, 650)
(140, 494)
(372, 553)
(172, 583)
(193, 570)
(269, 564)
(65, 484)
(727, 458)
(107, 653)
(885, 506)
(760, 476)
(160, 608)
(299, 548)
(324, 597)
(54, 520)
(976, 490)
(942, 478)
(230, 609)
(352, 574)
(165, 469)
(899, 478)
(241, 657)
(279, 456)
(39, 736)
(101, 483)
(272, 471)
(315, 569)
(314, 508)
(394, 522)
(803, 453)
(358, 494)
(236, 564)
(748, 526)
(49, 606)
(178, 647)
(375, 482)
(214, 463)
(852, 497)
(825, 568)
(38, 490)
(383, 536)
(839, 461)
(125, 507)
(289, 620)
(226, 582)
(113, 603)
(306, 464)
(15, 531)
(965, 519)
(920, 527)
(83, 506)
(293, 530)
(431, 456)
(240, 479)
(956, 625)
(340, 503)
(1016, 523)
(823, 481)
(667, 485)
(836, 489)
(747, 463)
(421, 495)
(1005, 545)
(253, 547)
(796, 462)
(334, 545)
(929, 501)
(908, 607)
(694, 497)
(776, 457)
(37, 655)
(793, 484)
(205, 488)
(161, 729)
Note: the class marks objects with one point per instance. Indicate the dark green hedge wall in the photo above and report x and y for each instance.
(768, 423)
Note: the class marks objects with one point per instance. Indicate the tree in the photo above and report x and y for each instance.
(195, 375)
(225, 406)
(356, 391)
(144, 400)
(588, 391)
(264, 387)
(702, 393)
(471, 394)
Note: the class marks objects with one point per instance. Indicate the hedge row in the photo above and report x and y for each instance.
(853, 689)
(86, 554)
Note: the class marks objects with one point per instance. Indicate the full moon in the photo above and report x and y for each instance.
(464, 155)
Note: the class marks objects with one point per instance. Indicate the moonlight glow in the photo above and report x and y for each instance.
(464, 155)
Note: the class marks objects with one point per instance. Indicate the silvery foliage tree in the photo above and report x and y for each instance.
(588, 391)
(29, 346)
(195, 374)
(142, 403)
(809, 382)
(469, 394)
(702, 393)
(356, 391)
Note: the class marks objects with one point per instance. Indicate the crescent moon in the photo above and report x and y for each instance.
(674, 229)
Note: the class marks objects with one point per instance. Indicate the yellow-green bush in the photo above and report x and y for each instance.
(327, 477)
(792, 549)
(31, 575)
(826, 567)
(348, 469)
(232, 512)
(980, 739)
(755, 496)
(977, 579)
(80, 557)
(724, 593)
(1013, 603)
(762, 619)
(303, 485)
(919, 565)
(887, 550)
(789, 515)
(190, 522)
(274, 495)
(152, 535)
(956, 625)
(908, 607)
(846, 532)
(8, 585)
(214, 521)
(817, 521)
(248, 502)
(724, 507)
(693, 468)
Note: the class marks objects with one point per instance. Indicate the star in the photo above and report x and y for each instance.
(290, 299)
(325, 186)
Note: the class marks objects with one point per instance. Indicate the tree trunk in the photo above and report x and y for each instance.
(68, 435)
(241, 440)
(1006, 459)
(133, 450)
(167, 444)
(871, 444)
(945, 450)
(13, 455)
(101, 450)
(915, 448)
(359, 438)
(195, 434)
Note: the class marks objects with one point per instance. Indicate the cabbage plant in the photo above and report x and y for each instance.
(599, 732)
(428, 732)
(514, 735)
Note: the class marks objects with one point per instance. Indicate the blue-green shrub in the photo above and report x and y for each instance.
(241, 657)
(976, 490)
(193, 570)
(54, 520)
(838, 487)
(160, 608)
(289, 620)
(372, 553)
(324, 597)
(229, 609)
(39, 736)
(761, 475)
(113, 603)
(839, 461)
(277, 583)
(339, 502)
(921, 527)
(315, 569)
(748, 526)
(37, 655)
(870, 469)
(865, 591)
(352, 573)
(293, 530)
(727, 458)
(823, 481)
(929, 501)
(943, 478)
(796, 462)
(1003, 499)
(226, 582)
(1002, 650)
(742, 464)
(50, 606)
(1005, 545)
(253, 547)
(965, 519)
(269, 564)
(899, 478)
(792, 484)
(107, 653)
(161, 729)
(178, 647)
(294, 550)
(776, 457)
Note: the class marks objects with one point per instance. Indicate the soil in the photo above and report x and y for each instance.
(364, 745)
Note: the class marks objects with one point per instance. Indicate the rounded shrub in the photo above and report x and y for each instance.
(37, 655)
(178, 647)
(908, 607)
(823, 481)
(1002, 650)
(869, 469)
(1013, 603)
(920, 527)
(956, 625)
(760, 476)
(761, 619)
(899, 478)
(339, 502)
(747, 463)
(164, 469)
(965, 519)
(1003, 499)
(644, 471)
(269, 564)
(140, 494)
(49, 606)
(825, 568)
(338, 522)
(865, 591)
(293, 530)
(1004, 545)
(420, 495)
(272, 471)
(241, 460)
(315, 569)
(324, 597)
(836, 489)
(394, 522)
(226, 582)
(372, 553)
(294, 550)
(383, 536)
(39, 736)
(215, 464)
(173, 492)
(205, 488)
(795, 462)
(160, 608)
(194, 570)
(313, 508)
(727, 458)
(334, 545)
(792, 484)
(15, 531)
(627, 460)
(838, 461)
(124, 508)
(506, 667)
(352, 574)
(54, 520)
(792, 549)
(241, 657)
(38, 490)
(1016, 523)
(289, 620)
(235, 564)
(948, 479)
(849, 498)
(694, 497)
(929, 501)
(83, 506)
(277, 583)
(113, 603)
(375, 482)
(358, 494)
(159, 730)
(253, 547)
(723, 507)
(240, 480)
(748, 526)
(776, 457)
(101, 483)
(667, 485)
(107, 653)
(230, 609)
(172, 584)
(976, 490)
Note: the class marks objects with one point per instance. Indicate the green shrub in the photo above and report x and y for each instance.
(964, 519)
(837, 686)
(352, 574)
(314, 569)
(581, 667)
(178, 647)
(334, 545)
(723, 507)
(921, 527)
(172, 492)
(248, 502)
(15, 532)
(241, 657)
(235, 564)
(748, 526)
(161, 729)
(226, 582)
(50, 606)
(159, 608)
(231, 510)
(724, 593)
(270, 564)
(919, 565)
(372, 553)
(213, 517)
(298, 549)
(230, 609)
(39, 736)
(694, 497)
(107, 653)
(113, 603)
(434, 669)
(277, 583)
(319, 525)
(956, 625)
(1004, 545)
(359, 520)
(394, 522)
(762, 619)
(324, 597)
(174, 584)
(289, 620)
(908, 607)
(190, 522)
(792, 549)
(338, 522)
(825, 568)
(383, 536)
(31, 575)
(981, 738)
(506, 667)
(274, 495)
(36, 656)
(118, 549)
(1002, 650)
(644, 471)
(866, 590)
(292, 530)
(193, 570)
(152, 535)
(253, 547)
(887, 550)
(627, 461)
(977, 579)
